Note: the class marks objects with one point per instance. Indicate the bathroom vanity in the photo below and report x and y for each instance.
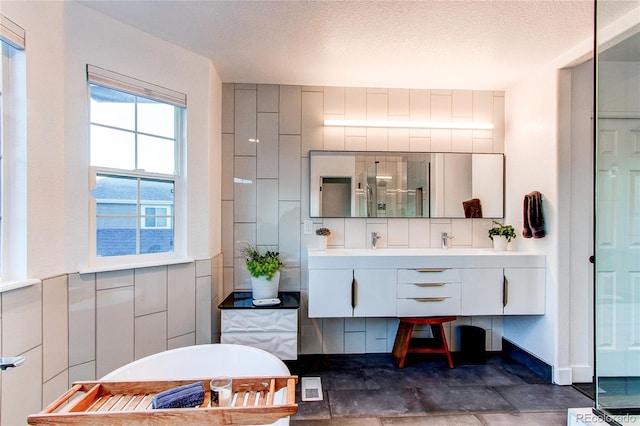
(424, 282)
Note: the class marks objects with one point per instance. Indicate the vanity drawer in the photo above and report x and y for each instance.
(429, 306)
(429, 275)
(421, 290)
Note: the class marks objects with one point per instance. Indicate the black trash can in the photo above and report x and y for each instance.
(472, 344)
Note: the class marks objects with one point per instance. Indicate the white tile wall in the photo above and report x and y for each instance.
(55, 333)
(268, 97)
(114, 328)
(181, 300)
(21, 320)
(203, 310)
(290, 110)
(182, 341)
(150, 290)
(282, 171)
(245, 122)
(267, 219)
(267, 165)
(113, 279)
(154, 329)
(21, 388)
(289, 170)
(82, 319)
(79, 327)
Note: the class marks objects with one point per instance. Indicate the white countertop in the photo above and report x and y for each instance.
(420, 258)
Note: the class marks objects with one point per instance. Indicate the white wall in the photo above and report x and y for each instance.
(531, 151)
(62, 324)
(62, 38)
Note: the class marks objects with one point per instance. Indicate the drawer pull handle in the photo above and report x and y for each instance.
(428, 284)
(430, 299)
(431, 270)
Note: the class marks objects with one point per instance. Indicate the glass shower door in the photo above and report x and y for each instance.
(617, 225)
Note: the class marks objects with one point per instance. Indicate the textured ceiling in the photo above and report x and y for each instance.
(464, 44)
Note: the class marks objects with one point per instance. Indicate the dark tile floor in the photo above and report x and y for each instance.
(370, 390)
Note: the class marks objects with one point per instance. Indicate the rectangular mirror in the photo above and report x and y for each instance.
(406, 184)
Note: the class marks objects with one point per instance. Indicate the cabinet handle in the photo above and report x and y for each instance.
(354, 285)
(430, 299)
(505, 291)
(431, 270)
(428, 284)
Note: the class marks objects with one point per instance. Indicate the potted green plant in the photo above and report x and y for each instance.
(503, 233)
(264, 266)
(323, 237)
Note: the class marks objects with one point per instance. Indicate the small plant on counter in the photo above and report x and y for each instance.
(501, 230)
(323, 231)
(261, 262)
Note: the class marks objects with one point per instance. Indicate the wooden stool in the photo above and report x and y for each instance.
(403, 338)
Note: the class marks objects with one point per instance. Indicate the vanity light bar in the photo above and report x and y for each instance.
(411, 124)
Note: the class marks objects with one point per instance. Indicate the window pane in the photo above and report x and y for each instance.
(116, 236)
(120, 192)
(156, 118)
(112, 148)
(109, 208)
(156, 155)
(112, 108)
(156, 190)
(156, 240)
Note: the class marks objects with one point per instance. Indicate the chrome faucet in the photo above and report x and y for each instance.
(374, 240)
(445, 240)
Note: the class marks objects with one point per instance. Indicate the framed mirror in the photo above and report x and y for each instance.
(406, 184)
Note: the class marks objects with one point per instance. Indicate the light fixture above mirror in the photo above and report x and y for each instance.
(468, 125)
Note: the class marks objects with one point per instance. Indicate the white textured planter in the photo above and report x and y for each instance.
(322, 242)
(263, 289)
(500, 243)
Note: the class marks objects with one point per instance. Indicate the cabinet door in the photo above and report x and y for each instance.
(482, 291)
(375, 294)
(524, 291)
(330, 293)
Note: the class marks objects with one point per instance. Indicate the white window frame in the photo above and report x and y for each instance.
(13, 165)
(136, 87)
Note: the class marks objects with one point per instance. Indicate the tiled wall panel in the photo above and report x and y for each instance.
(114, 328)
(181, 300)
(82, 318)
(300, 113)
(55, 333)
(76, 327)
(150, 290)
(21, 320)
(154, 329)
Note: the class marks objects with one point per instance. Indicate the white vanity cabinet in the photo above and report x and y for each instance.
(352, 293)
(503, 291)
(330, 293)
(428, 292)
(425, 282)
(524, 291)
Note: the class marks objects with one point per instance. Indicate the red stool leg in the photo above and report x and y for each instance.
(401, 344)
(445, 346)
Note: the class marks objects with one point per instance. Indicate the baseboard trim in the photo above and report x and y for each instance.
(533, 363)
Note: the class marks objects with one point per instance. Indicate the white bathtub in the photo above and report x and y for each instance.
(201, 361)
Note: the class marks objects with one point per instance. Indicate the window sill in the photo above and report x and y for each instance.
(16, 284)
(109, 268)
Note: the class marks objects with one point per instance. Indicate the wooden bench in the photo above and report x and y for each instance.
(402, 347)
